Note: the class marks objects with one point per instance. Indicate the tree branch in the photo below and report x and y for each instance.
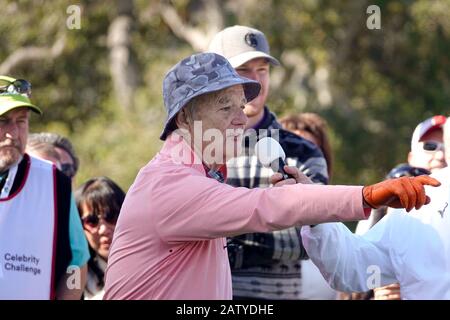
(32, 53)
(122, 64)
(198, 39)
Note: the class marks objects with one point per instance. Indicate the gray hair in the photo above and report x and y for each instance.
(55, 140)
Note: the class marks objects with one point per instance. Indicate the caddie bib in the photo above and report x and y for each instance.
(27, 235)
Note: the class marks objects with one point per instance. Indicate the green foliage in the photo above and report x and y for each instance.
(382, 82)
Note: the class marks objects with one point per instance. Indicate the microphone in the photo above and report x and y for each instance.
(271, 154)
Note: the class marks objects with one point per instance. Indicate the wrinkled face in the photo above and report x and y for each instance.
(258, 70)
(222, 120)
(99, 234)
(13, 136)
(429, 159)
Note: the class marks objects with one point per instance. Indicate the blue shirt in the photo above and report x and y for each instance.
(77, 238)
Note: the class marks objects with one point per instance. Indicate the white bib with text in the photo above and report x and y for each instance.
(27, 236)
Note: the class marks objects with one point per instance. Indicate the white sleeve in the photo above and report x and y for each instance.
(349, 262)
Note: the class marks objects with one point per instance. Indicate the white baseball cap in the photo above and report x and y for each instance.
(240, 44)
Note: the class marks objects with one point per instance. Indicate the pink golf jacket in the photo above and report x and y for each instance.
(169, 242)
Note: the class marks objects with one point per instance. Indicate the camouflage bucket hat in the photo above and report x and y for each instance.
(197, 75)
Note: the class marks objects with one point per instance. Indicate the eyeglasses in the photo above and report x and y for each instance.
(431, 146)
(19, 86)
(68, 169)
(92, 220)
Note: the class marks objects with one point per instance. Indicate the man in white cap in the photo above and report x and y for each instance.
(264, 265)
(43, 250)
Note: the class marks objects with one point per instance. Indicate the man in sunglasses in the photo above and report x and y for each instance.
(62, 146)
(403, 256)
(43, 251)
(427, 147)
(426, 156)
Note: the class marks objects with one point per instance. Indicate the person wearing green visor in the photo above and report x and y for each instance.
(43, 251)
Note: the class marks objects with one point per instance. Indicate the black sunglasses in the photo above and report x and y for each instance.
(68, 169)
(92, 219)
(19, 86)
(432, 146)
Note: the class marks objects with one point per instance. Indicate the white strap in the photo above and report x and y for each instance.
(9, 182)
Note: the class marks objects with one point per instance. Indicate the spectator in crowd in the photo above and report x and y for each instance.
(41, 150)
(99, 201)
(426, 156)
(43, 251)
(315, 129)
(410, 249)
(68, 158)
(427, 148)
(264, 265)
(169, 241)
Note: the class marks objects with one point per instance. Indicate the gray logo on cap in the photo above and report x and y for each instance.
(250, 39)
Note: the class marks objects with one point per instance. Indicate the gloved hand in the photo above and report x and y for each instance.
(404, 192)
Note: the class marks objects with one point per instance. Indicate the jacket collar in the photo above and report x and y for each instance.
(180, 152)
(269, 121)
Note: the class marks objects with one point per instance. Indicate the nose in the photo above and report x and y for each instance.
(102, 228)
(439, 155)
(12, 130)
(252, 74)
(240, 118)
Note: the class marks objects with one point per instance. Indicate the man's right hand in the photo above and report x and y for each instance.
(277, 178)
(404, 192)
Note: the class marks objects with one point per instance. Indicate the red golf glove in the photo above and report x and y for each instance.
(404, 192)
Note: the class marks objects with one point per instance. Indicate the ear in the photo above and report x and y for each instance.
(182, 120)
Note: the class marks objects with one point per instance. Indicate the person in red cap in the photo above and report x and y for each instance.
(427, 147)
(426, 156)
(403, 256)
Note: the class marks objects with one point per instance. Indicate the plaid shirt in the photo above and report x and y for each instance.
(267, 265)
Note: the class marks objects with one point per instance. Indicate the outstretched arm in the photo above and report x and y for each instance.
(349, 262)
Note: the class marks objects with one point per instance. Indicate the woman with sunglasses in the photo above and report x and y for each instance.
(99, 201)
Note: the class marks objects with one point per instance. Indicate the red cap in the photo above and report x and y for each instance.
(435, 122)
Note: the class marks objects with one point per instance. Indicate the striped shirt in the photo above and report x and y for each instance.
(267, 265)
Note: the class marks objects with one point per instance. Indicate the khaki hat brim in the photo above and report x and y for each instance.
(242, 58)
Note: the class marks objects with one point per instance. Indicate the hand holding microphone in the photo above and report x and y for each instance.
(271, 154)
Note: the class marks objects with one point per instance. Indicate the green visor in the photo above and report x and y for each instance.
(9, 102)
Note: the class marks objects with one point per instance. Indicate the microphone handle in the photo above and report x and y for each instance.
(278, 165)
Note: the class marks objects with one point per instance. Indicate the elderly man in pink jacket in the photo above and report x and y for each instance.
(169, 241)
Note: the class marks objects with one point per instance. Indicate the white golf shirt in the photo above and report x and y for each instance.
(410, 248)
